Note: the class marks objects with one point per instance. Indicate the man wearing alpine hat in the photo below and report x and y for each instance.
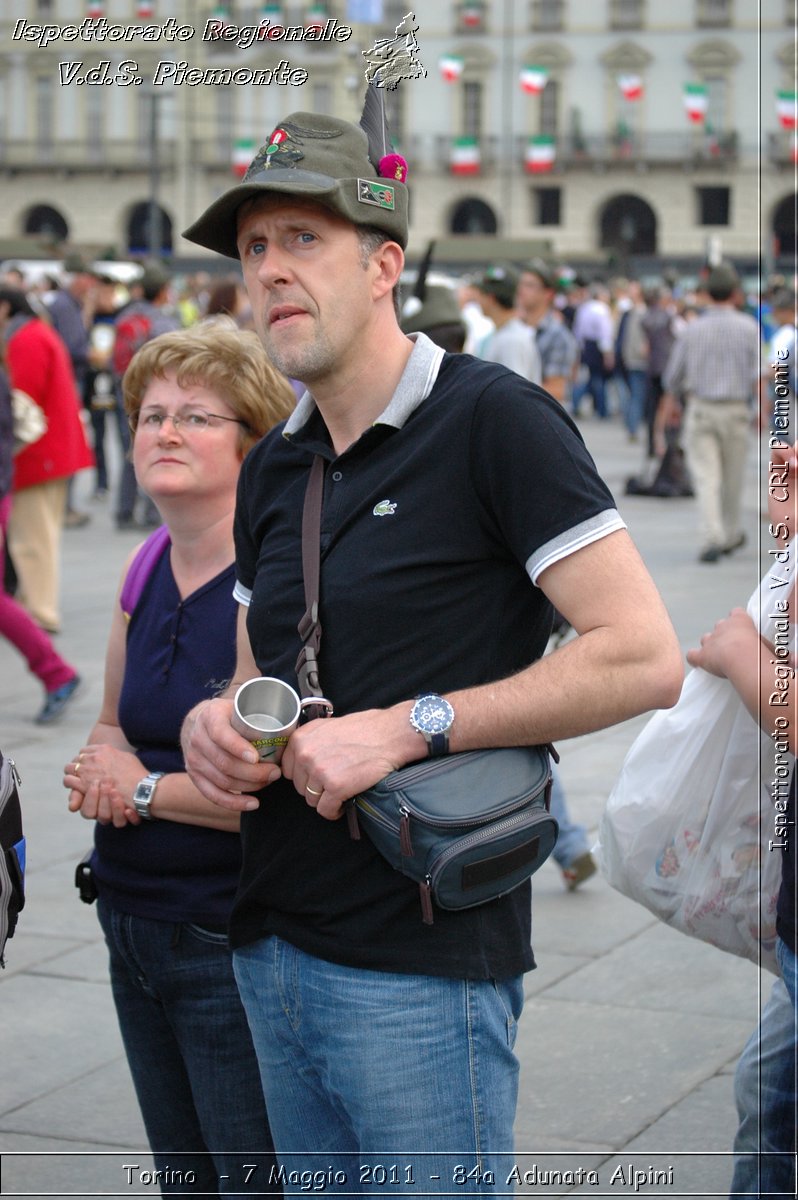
(456, 512)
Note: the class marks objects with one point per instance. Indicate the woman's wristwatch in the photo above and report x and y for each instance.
(145, 790)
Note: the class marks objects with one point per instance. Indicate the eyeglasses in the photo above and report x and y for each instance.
(191, 420)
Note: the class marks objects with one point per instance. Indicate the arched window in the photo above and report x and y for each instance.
(473, 216)
(43, 219)
(628, 226)
(139, 230)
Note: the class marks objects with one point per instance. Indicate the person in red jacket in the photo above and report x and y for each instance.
(38, 363)
(59, 678)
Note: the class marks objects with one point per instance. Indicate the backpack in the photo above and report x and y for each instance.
(132, 331)
(12, 852)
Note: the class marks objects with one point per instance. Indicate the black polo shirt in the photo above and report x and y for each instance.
(435, 524)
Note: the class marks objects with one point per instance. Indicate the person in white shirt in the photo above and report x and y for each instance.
(593, 329)
(512, 342)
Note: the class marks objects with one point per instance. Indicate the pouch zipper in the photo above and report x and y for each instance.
(487, 818)
(10, 775)
(473, 839)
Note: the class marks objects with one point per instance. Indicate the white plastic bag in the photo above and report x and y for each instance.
(687, 826)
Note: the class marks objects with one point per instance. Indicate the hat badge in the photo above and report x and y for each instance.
(285, 147)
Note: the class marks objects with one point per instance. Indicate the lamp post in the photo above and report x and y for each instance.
(507, 115)
(154, 238)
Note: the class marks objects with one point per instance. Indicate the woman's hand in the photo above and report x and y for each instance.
(734, 639)
(101, 780)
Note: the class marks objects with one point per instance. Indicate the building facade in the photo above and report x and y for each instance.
(611, 129)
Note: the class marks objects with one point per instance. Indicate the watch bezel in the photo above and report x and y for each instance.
(437, 739)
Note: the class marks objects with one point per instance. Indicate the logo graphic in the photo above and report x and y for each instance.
(379, 194)
(393, 59)
(285, 147)
(385, 508)
(275, 141)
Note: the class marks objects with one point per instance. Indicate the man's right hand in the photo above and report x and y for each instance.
(223, 766)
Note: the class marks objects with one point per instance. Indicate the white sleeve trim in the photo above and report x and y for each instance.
(242, 595)
(572, 540)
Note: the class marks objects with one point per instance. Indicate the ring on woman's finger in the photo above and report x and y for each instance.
(312, 791)
(77, 767)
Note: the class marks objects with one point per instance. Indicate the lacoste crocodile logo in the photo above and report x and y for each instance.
(385, 508)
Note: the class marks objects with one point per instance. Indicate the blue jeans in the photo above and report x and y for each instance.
(404, 1083)
(596, 385)
(190, 1054)
(572, 838)
(765, 1092)
(635, 400)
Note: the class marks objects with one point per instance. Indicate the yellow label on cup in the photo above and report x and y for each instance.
(276, 741)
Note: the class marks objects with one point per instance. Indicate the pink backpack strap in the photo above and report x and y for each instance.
(142, 567)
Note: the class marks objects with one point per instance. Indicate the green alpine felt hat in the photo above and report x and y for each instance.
(722, 279)
(439, 307)
(545, 272)
(500, 281)
(76, 264)
(324, 159)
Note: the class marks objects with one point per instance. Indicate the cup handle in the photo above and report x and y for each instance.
(325, 707)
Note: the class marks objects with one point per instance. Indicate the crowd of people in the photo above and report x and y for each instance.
(262, 960)
(66, 342)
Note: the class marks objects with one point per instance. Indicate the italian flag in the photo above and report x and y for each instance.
(471, 15)
(243, 154)
(464, 158)
(533, 80)
(95, 9)
(220, 17)
(540, 154)
(785, 108)
(316, 17)
(269, 13)
(144, 10)
(695, 102)
(794, 150)
(631, 86)
(451, 67)
(713, 142)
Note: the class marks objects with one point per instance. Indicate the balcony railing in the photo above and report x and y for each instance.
(80, 156)
(597, 152)
(648, 149)
(429, 152)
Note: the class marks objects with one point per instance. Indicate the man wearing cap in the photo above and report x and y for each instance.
(557, 346)
(715, 364)
(455, 511)
(510, 343)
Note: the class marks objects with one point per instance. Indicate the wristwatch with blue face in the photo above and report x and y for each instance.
(145, 790)
(433, 717)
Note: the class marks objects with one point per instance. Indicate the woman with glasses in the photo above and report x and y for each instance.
(165, 860)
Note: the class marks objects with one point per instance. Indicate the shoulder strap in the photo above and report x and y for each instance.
(142, 567)
(307, 667)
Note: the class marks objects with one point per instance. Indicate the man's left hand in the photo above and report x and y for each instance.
(332, 759)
